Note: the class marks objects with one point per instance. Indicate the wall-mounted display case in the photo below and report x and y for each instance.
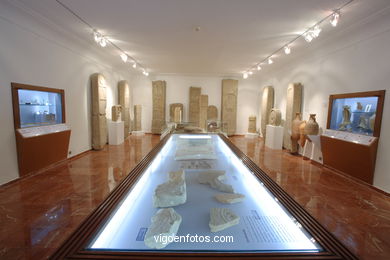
(271, 224)
(349, 144)
(42, 138)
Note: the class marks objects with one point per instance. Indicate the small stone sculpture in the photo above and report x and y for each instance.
(252, 124)
(229, 198)
(171, 193)
(214, 178)
(346, 118)
(295, 135)
(312, 127)
(165, 222)
(363, 123)
(359, 106)
(222, 218)
(275, 117)
(116, 112)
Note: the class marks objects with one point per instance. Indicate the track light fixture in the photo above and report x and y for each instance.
(309, 34)
(124, 57)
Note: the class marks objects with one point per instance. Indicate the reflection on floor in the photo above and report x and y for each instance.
(38, 213)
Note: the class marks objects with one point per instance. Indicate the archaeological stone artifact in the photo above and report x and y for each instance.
(229, 105)
(293, 106)
(124, 101)
(99, 102)
(158, 113)
(267, 103)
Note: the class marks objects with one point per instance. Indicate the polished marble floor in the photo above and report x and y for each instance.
(38, 213)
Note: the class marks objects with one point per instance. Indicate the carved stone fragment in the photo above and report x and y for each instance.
(204, 103)
(294, 103)
(165, 222)
(275, 117)
(229, 198)
(229, 105)
(159, 97)
(137, 118)
(194, 106)
(116, 113)
(252, 124)
(176, 112)
(222, 218)
(214, 179)
(99, 121)
(124, 101)
(267, 102)
(212, 113)
(171, 193)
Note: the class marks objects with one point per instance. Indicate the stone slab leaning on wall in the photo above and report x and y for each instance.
(124, 101)
(229, 105)
(159, 88)
(293, 106)
(98, 103)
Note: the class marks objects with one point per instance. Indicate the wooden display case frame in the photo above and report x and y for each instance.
(15, 99)
(379, 109)
(75, 246)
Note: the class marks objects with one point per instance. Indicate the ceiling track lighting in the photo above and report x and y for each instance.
(103, 41)
(310, 34)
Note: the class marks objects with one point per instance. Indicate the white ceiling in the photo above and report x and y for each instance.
(234, 34)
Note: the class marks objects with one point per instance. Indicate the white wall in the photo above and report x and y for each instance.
(33, 54)
(178, 92)
(356, 60)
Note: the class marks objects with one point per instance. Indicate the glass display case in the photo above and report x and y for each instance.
(37, 106)
(267, 222)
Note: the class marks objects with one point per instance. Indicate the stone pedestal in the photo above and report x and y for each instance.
(274, 138)
(116, 132)
(312, 150)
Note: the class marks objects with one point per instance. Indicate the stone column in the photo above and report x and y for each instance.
(98, 102)
(229, 104)
(294, 103)
(159, 97)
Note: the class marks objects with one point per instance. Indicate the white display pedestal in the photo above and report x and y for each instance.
(116, 132)
(136, 133)
(312, 150)
(274, 137)
(251, 135)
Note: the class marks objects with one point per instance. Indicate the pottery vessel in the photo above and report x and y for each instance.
(312, 127)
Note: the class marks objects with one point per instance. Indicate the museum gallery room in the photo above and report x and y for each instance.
(188, 129)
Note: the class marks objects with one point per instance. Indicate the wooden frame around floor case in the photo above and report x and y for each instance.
(379, 109)
(15, 99)
(74, 246)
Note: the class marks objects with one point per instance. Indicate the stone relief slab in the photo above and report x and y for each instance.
(293, 106)
(159, 99)
(229, 105)
(194, 106)
(124, 101)
(252, 124)
(204, 104)
(176, 112)
(267, 103)
(212, 113)
(137, 118)
(116, 113)
(98, 103)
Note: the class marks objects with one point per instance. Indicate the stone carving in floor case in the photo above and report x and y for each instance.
(222, 218)
(229, 198)
(214, 178)
(171, 193)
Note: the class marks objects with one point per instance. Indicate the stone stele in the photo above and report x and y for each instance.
(165, 222)
(204, 104)
(98, 102)
(294, 103)
(116, 113)
(124, 101)
(252, 124)
(158, 114)
(194, 106)
(176, 112)
(267, 102)
(229, 105)
(171, 193)
(137, 118)
(229, 198)
(212, 113)
(214, 179)
(275, 117)
(222, 218)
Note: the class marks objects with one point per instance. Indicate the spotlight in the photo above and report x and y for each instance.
(250, 72)
(97, 36)
(245, 75)
(124, 57)
(308, 37)
(258, 67)
(135, 65)
(287, 49)
(270, 61)
(335, 18)
(316, 31)
(103, 42)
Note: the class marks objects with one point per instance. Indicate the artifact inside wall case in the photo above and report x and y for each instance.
(262, 221)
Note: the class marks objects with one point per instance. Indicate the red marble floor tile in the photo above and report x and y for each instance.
(39, 212)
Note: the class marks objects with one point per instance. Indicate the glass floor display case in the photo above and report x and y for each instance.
(198, 195)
